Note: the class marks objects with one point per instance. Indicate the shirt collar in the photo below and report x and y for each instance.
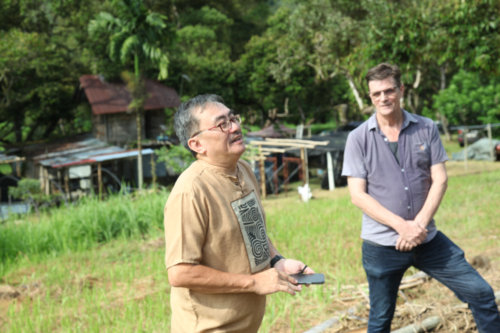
(407, 118)
(211, 167)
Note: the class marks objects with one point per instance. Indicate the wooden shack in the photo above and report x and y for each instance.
(109, 101)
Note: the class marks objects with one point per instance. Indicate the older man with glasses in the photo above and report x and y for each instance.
(220, 261)
(396, 175)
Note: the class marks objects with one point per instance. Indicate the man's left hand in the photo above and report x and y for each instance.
(402, 245)
(291, 266)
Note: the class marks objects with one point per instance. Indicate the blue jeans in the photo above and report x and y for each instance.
(441, 259)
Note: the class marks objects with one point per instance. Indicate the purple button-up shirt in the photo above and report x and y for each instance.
(401, 187)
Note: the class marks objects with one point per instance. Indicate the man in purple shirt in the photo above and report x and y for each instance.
(396, 175)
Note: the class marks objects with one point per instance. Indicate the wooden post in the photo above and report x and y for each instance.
(331, 179)
(274, 160)
(18, 167)
(66, 183)
(305, 168)
(139, 151)
(47, 181)
(285, 174)
(59, 178)
(99, 179)
(41, 178)
(275, 177)
(492, 152)
(466, 130)
(153, 169)
(263, 175)
(299, 131)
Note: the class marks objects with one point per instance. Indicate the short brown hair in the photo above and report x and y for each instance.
(383, 71)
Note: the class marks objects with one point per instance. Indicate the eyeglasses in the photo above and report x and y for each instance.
(225, 126)
(388, 92)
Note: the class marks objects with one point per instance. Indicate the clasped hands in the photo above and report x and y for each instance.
(411, 234)
(277, 279)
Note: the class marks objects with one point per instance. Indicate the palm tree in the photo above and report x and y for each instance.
(135, 34)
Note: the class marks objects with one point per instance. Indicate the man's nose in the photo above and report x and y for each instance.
(235, 127)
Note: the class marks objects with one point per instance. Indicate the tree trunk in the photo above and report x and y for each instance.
(18, 123)
(138, 121)
(139, 148)
(355, 92)
(412, 95)
(343, 110)
(442, 117)
(302, 115)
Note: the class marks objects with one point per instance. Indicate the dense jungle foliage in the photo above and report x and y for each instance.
(307, 58)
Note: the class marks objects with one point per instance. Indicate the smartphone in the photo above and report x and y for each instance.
(309, 278)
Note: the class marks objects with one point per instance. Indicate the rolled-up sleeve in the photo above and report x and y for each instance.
(354, 164)
(438, 153)
(185, 229)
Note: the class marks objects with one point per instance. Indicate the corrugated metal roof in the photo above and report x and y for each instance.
(105, 97)
(80, 149)
(76, 157)
(82, 142)
(97, 156)
(9, 158)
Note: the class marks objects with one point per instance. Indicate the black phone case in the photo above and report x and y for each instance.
(309, 278)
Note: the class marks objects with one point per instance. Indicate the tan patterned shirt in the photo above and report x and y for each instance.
(216, 220)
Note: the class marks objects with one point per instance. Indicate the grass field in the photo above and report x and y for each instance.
(99, 267)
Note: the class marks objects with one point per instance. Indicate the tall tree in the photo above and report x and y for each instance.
(325, 36)
(135, 34)
(41, 47)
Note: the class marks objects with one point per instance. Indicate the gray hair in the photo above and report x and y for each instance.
(185, 124)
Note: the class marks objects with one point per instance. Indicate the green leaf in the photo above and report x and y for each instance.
(129, 47)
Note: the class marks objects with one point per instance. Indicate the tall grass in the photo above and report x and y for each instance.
(118, 287)
(81, 227)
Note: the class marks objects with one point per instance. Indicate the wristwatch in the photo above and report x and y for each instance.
(276, 259)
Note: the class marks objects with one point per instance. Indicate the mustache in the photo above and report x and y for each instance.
(237, 135)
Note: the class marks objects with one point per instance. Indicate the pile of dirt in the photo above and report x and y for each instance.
(8, 292)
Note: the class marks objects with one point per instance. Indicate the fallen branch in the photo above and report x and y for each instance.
(357, 292)
(426, 325)
(335, 320)
(432, 322)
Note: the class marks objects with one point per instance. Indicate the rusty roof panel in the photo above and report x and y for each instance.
(105, 97)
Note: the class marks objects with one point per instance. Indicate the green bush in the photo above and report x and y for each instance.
(470, 99)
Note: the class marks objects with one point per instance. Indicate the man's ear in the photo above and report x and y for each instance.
(196, 146)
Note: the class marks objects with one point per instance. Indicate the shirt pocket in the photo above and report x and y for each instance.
(421, 153)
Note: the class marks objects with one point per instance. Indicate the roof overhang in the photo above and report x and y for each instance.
(106, 97)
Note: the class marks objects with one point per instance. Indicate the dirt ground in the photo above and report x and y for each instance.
(425, 300)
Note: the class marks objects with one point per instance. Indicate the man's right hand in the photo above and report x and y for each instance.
(271, 281)
(412, 232)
